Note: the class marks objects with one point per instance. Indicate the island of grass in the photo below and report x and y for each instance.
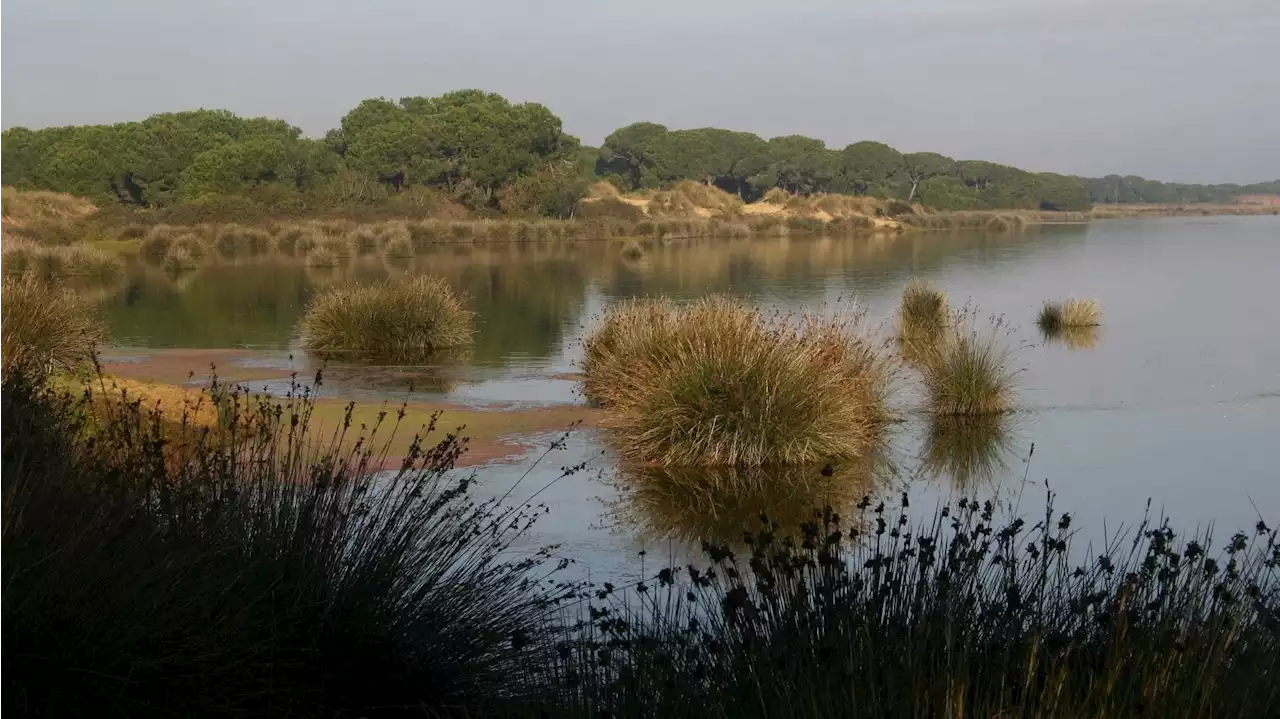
(406, 321)
(718, 383)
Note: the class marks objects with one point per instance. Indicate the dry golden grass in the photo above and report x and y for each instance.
(406, 322)
(1055, 317)
(923, 313)
(969, 373)
(25, 207)
(717, 383)
(53, 262)
(46, 328)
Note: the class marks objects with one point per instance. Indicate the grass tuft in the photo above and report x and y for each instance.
(47, 328)
(923, 314)
(717, 383)
(632, 250)
(405, 321)
(1054, 317)
(968, 373)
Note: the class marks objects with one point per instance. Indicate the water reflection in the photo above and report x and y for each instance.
(691, 505)
(1074, 338)
(969, 452)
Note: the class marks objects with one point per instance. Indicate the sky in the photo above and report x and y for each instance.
(1176, 90)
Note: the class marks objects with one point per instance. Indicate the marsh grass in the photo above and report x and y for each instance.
(717, 383)
(632, 250)
(55, 262)
(969, 372)
(407, 321)
(923, 314)
(323, 256)
(234, 240)
(633, 330)
(156, 566)
(1073, 322)
(977, 612)
(46, 328)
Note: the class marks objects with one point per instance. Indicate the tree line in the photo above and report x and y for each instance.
(491, 155)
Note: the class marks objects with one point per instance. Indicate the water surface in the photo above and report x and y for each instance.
(1176, 400)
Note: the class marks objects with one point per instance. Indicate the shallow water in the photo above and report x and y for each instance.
(1177, 401)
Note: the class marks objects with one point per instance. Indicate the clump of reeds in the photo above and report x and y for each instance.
(720, 384)
(390, 321)
(399, 247)
(628, 331)
(923, 313)
(874, 613)
(268, 551)
(53, 262)
(157, 239)
(1056, 316)
(323, 256)
(968, 373)
(632, 250)
(47, 328)
(180, 259)
(232, 240)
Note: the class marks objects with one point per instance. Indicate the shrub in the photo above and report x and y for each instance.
(968, 373)
(725, 386)
(609, 207)
(247, 570)
(180, 259)
(632, 250)
(776, 196)
(47, 328)
(391, 321)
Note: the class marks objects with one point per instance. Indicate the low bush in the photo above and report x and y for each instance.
(46, 328)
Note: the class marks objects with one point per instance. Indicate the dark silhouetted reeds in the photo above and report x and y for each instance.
(404, 321)
(973, 614)
(155, 568)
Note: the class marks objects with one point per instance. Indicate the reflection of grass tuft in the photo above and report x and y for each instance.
(969, 451)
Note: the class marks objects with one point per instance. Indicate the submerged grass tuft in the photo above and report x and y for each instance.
(1056, 316)
(406, 321)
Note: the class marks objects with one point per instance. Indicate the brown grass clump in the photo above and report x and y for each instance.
(602, 189)
(629, 329)
(694, 199)
(25, 207)
(923, 314)
(53, 262)
(1054, 317)
(632, 250)
(719, 384)
(968, 373)
(323, 257)
(406, 321)
(46, 328)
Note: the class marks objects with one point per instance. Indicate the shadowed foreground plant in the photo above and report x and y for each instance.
(404, 321)
(252, 569)
(45, 327)
(968, 615)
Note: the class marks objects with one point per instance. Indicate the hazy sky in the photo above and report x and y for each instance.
(1168, 89)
